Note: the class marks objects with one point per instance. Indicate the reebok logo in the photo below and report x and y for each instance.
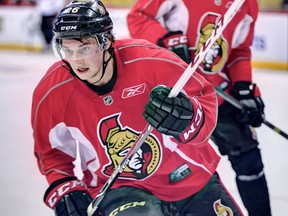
(133, 91)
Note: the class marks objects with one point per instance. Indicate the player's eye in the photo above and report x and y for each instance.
(67, 51)
(86, 50)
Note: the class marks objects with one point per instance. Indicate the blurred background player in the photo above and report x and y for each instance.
(183, 27)
(48, 10)
(99, 97)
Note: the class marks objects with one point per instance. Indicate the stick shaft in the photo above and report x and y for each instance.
(95, 203)
(238, 105)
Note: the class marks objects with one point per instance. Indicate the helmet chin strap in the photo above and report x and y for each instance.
(105, 63)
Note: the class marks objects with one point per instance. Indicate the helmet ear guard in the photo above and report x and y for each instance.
(103, 40)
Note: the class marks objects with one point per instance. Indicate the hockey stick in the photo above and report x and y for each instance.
(238, 105)
(221, 25)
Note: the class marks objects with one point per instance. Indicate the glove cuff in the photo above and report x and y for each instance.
(160, 41)
(244, 90)
(60, 188)
(177, 42)
(195, 125)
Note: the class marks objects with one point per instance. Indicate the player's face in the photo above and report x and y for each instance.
(85, 58)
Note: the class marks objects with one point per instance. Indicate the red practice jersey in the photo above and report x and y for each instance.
(228, 60)
(67, 113)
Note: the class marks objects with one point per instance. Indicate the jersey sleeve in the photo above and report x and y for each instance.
(203, 92)
(239, 62)
(53, 162)
(142, 21)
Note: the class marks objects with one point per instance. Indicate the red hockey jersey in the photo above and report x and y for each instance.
(229, 58)
(67, 113)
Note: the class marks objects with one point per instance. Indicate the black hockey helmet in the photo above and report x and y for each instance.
(83, 18)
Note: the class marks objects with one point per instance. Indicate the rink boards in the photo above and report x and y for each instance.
(20, 30)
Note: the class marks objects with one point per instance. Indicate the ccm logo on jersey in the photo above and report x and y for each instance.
(177, 40)
(133, 91)
(196, 121)
(63, 189)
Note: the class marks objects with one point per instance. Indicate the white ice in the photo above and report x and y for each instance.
(21, 185)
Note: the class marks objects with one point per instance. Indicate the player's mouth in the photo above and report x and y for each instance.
(82, 70)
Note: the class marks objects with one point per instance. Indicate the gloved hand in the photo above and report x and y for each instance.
(169, 116)
(68, 197)
(176, 42)
(253, 106)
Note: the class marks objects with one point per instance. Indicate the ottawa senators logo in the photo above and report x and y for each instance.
(118, 140)
(222, 210)
(217, 55)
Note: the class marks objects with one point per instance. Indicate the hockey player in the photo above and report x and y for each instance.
(183, 27)
(98, 98)
(48, 10)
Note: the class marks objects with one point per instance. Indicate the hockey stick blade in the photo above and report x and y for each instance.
(238, 105)
(221, 25)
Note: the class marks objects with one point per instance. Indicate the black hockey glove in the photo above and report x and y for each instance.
(68, 197)
(176, 42)
(169, 116)
(73, 204)
(253, 107)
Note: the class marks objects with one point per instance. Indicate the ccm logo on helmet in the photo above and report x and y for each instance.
(68, 28)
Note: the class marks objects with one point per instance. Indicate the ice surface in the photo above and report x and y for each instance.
(22, 187)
